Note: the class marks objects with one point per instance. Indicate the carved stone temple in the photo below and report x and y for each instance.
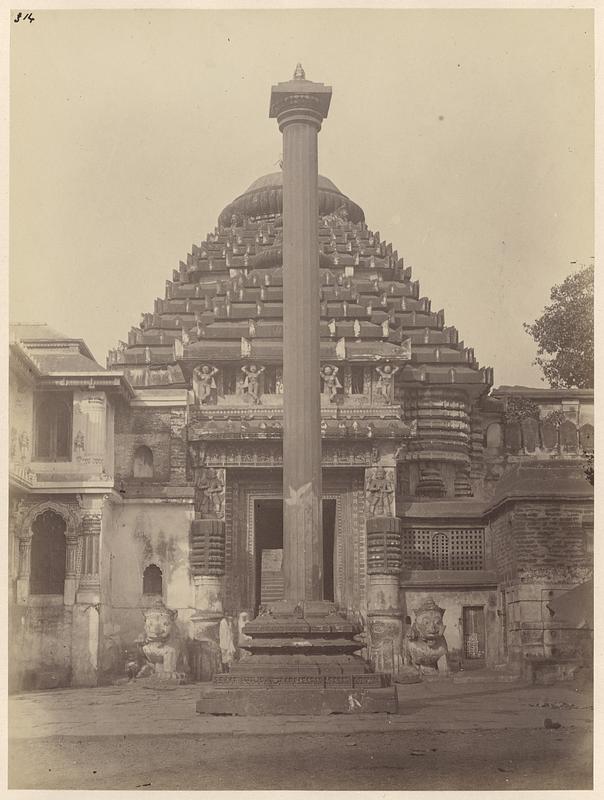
(294, 457)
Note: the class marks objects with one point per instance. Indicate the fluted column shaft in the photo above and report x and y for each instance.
(302, 484)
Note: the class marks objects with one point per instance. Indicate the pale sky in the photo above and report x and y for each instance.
(466, 136)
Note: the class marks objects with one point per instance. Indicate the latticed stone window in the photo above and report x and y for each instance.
(457, 548)
(440, 551)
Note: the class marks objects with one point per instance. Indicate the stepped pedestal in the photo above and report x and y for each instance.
(302, 662)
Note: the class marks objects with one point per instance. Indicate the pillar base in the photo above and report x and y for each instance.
(303, 661)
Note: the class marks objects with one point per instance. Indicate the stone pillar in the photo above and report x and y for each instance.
(208, 566)
(89, 434)
(24, 570)
(71, 566)
(86, 621)
(300, 107)
(384, 613)
(91, 535)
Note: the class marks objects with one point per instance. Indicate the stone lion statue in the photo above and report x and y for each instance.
(425, 646)
(164, 650)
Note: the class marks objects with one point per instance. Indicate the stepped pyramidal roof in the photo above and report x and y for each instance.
(225, 302)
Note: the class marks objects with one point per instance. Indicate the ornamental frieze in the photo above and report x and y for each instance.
(253, 429)
(270, 454)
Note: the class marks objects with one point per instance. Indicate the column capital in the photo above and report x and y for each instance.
(299, 100)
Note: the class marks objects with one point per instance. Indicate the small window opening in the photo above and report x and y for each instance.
(152, 580)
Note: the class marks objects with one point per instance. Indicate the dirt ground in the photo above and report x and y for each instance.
(475, 736)
(500, 759)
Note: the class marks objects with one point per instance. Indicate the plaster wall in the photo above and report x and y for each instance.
(139, 534)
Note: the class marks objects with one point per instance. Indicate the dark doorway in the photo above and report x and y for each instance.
(268, 528)
(48, 551)
(329, 528)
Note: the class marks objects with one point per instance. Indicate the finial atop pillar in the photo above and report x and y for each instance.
(300, 100)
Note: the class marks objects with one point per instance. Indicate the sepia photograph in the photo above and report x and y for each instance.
(300, 411)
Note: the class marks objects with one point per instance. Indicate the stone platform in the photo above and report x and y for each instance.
(302, 661)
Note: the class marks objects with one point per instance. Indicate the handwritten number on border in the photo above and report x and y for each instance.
(21, 17)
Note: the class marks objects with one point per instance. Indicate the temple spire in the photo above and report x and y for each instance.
(299, 74)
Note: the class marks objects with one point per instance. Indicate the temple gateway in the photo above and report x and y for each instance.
(291, 427)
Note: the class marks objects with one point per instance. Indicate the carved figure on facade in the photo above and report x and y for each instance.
(163, 649)
(79, 445)
(209, 493)
(204, 383)
(331, 382)
(385, 383)
(425, 646)
(251, 382)
(24, 446)
(379, 491)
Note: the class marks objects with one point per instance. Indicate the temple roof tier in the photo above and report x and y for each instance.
(224, 305)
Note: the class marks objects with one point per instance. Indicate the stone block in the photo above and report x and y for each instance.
(384, 525)
(246, 702)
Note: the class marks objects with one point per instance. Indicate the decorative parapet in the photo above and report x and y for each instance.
(22, 475)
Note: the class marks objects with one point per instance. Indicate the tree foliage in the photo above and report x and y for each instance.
(519, 408)
(565, 333)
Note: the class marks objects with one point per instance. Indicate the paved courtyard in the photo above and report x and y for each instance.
(446, 736)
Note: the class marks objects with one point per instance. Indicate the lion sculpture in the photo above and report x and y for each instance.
(164, 651)
(425, 646)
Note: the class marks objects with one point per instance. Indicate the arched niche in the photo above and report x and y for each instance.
(569, 439)
(152, 580)
(143, 462)
(530, 434)
(549, 436)
(586, 437)
(494, 437)
(513, 437)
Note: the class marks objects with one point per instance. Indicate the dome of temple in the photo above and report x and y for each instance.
(264, 200)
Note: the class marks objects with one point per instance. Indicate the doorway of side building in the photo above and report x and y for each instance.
(268, 533)
(474, 637)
